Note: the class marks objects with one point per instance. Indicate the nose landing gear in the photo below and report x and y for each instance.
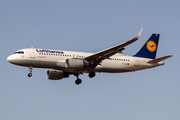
(30, 70)
(30, 74)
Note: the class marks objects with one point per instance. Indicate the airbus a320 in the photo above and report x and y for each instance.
(64, 63)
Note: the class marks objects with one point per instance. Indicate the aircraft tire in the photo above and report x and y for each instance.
(92, 74)
(30, 74)
(78, 81)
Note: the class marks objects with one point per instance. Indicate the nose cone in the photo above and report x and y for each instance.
(15, 59)
(10, 59)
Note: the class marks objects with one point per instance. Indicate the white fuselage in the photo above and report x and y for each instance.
(55, 59)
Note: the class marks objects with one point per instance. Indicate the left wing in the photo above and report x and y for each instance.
(96, 58)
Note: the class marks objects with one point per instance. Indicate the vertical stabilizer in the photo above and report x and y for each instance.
(150, 47)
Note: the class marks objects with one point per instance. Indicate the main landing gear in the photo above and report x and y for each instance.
(79, 81)
(30, 70)
(92, 74)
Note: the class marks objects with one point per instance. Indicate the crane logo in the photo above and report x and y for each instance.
(151, 46)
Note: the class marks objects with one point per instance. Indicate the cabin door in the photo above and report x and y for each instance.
(32, 53)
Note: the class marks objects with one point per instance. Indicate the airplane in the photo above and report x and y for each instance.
(64, 63)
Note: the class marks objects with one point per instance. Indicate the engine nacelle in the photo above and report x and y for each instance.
(74, 63)
(56, 74)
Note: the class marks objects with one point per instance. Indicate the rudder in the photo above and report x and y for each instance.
(149, 49)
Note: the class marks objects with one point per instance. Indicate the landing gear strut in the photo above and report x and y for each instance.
(30, 70)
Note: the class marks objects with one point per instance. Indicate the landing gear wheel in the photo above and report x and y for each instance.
(92, 74)
(30, 74)
(78, 81)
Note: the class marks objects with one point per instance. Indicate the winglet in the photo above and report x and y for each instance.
(139, 33)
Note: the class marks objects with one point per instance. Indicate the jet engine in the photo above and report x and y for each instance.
(74, 63)
(56, 74)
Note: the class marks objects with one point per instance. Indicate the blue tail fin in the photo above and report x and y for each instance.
(150, 47)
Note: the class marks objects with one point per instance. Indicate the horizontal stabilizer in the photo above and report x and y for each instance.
(159, 59)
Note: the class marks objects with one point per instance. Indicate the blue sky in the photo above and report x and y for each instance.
(89, 26)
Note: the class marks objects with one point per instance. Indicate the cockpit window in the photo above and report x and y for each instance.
(19, 52)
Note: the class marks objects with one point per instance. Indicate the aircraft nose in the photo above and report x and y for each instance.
(10, 59)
